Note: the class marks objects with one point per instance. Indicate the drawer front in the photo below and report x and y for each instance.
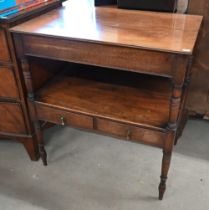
(61, 117)
(8, 87)
(4, 51)
(131, 133)
(12, 120)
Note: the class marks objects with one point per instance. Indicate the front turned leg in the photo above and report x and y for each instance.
(43, 154)
(165, 167)
(178, 81)
(41, 147)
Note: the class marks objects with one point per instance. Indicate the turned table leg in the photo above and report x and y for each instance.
(165, 167)
(178, 82)
(167, 153)
(41, 147)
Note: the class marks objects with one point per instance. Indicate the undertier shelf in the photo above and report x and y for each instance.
(129, 98)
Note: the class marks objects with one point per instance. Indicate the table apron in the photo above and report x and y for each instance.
(100, 54)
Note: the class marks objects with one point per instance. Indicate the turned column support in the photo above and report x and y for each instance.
(178, 79)
(175, 103)
(31, 98)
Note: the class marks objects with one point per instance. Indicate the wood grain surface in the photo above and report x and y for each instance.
(141, 105)
(139, 29)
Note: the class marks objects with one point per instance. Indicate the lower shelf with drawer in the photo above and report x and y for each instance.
(12, 120)
(8, 86)
(132, 111)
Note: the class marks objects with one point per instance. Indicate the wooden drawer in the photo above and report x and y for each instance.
(12, 120)
(4, 51)
(131, 133)
(8, 86)
(61, 117)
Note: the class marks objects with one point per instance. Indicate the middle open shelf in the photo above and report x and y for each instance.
(110, 94)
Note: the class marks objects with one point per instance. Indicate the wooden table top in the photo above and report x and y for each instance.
(80, 20)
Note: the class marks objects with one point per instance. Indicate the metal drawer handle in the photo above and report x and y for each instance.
(128, 134)
(62, 120)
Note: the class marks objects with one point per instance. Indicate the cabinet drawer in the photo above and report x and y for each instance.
(4, 51)
(61, 117)
(130, 132)
(8, 87)
(12, 120)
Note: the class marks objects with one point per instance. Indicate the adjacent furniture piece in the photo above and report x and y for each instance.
(133, 80)
(15, 121)
(198, 100)
(160, 5)
(150, 5)
(104, 2)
